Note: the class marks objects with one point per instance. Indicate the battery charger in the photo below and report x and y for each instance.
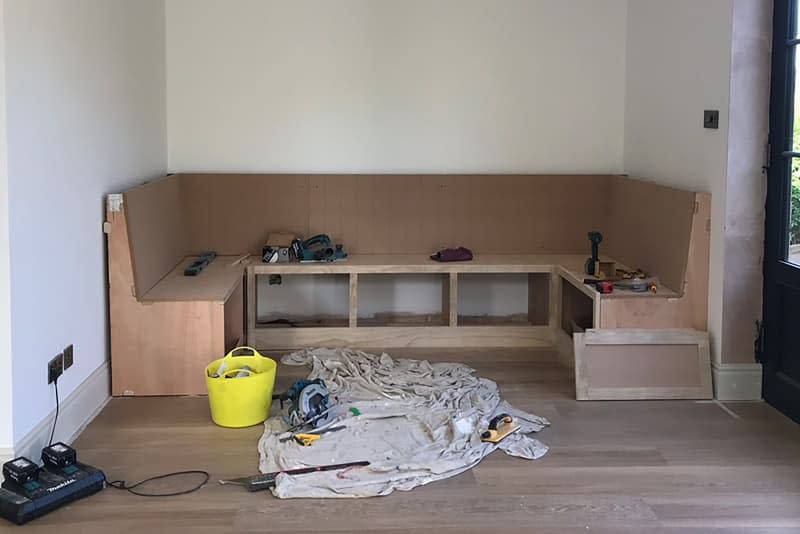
(30, 491)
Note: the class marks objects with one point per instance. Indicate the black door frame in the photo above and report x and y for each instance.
(779, 389)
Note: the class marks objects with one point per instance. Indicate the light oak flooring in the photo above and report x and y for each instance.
(614, 467)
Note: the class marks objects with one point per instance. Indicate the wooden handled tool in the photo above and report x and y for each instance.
(267, 480)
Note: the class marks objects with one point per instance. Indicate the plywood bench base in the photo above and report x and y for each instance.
(161, 344)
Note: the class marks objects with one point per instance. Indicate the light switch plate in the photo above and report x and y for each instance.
(711, 119)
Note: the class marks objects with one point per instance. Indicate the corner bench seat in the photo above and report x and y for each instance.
(166, 327)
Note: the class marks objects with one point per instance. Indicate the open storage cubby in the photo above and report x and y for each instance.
(303, 301)
(503, 299)
(412, 301)
(402, 299)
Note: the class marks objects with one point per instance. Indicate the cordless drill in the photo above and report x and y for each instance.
(595, 238)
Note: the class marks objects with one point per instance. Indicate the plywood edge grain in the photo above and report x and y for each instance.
(645, 336)
(352, 311)
(419, 263)
(397, 336)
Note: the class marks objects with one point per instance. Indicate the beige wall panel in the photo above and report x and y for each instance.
(233, 213)
(397, 214)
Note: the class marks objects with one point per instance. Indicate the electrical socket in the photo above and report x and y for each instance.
(55, 368)
(68, 357)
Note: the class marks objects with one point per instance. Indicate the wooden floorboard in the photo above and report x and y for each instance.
(614, 467)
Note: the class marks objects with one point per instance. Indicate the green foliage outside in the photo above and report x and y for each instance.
(794, 221)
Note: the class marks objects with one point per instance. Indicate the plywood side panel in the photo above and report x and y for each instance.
(251, 305)
(642, 364)
(157, 229)
(539, 298)
(450, 299)
(658, 366)
(648, 226)
(646, 313)
(398, 214)
(697, 267)
(168, 347)
(577, 309)
(160, 348)
(352, 310)
(234, 317)
(689, 310)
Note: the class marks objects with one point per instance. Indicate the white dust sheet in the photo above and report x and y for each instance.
(419, 422)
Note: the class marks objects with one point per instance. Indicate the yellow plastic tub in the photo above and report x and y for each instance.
(243, 401)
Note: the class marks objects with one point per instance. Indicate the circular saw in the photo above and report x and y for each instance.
(309, 403)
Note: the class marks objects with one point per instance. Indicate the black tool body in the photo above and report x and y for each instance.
(49, 489)
(595, 238)
(200, 264)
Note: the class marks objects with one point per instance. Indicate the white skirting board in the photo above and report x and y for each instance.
(5, 455)
(736, 381)
(76, 411)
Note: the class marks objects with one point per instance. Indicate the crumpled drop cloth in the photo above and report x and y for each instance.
(419, 422)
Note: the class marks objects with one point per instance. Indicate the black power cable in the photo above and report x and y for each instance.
(52, 432)
(122, 485)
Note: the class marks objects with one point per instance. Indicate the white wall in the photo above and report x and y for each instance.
(349, 86)
(679, 64)
(85, 89)
(6, 401)
(400, 85)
